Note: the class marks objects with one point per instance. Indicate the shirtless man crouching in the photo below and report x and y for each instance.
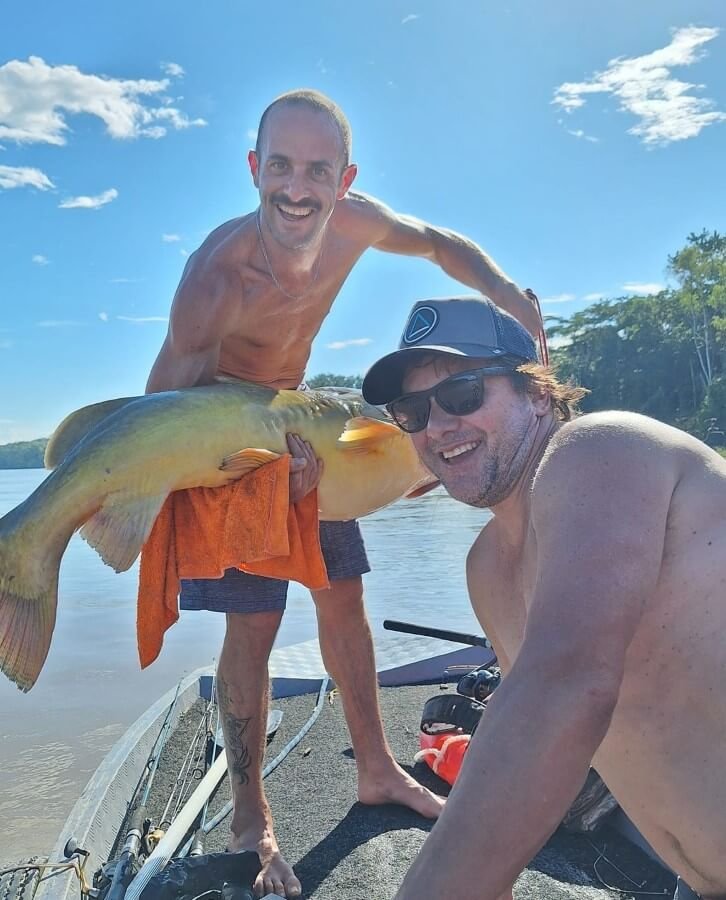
(251, 300)
(602, 574)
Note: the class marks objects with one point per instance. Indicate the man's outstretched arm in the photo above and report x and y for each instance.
(458, 256)
(599, 559)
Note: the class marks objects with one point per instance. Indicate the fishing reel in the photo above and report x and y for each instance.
(480, 683)
(460, 713)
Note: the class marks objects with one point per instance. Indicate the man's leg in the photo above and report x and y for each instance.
(347, 649)
(242, 691)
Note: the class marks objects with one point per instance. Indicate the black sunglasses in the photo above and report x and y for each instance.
(458, 395)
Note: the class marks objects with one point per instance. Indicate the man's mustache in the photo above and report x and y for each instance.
(306, 203)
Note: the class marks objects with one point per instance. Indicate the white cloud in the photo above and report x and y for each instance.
(174, 70)
(126, 280)
(409, 18)
(645, 88)
(5, 345)
(141, 320)
(579, 133)
(353, 342)
(22, 176)
(90, 202)
(592, 297)
(40, 260)
(57, 323)
(170, 238)
(252, 135)
(643, 288)
(558, 341)
(36, 98)
(559, 298)
(103, 316)
(184, 252)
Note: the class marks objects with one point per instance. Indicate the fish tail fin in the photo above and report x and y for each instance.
(29, 568)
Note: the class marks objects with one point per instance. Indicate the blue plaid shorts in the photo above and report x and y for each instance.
(343, 551)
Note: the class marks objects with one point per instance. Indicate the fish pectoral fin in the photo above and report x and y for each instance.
(363, 434)
(244, 461)
(418, 490)
(119, 529)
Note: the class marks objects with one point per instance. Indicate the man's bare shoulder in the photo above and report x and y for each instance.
(219, 235)
(363, 216)
(214, 269)
(208, 277)
(603, 453)
(618, 430)
(225, 248)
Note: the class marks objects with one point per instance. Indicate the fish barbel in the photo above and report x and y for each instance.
(115, 463)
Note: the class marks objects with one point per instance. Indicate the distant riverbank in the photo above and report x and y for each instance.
(23, 454)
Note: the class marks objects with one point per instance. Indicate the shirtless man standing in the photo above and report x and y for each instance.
(251, 300)
(602, 575)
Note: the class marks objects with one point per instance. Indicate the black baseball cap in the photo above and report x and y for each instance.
(461, 326)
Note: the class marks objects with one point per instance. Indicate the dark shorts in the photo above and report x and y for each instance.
(344, 554)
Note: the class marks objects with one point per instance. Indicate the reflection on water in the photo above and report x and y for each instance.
(91, 688)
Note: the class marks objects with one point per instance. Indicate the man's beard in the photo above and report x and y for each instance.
(498, 473)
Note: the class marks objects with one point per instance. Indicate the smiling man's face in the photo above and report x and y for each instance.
(478, 457)
(300, 173)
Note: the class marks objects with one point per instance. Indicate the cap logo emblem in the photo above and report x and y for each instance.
(422, 322)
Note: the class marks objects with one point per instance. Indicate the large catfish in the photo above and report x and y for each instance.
(115, 463)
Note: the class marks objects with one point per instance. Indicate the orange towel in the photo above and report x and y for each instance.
(249, 525)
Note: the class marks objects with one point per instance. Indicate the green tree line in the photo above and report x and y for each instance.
(23, 454)
(661, 355)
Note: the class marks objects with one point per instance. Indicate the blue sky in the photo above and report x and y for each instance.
(579, 144)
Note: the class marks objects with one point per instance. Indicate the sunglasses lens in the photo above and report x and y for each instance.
(461, 395)
(411, 412)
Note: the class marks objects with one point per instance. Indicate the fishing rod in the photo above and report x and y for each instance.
(457, 637)
(210, 754)
(124, 870)
(189, 765)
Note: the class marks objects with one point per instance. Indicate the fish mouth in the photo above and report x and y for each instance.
(453, 456)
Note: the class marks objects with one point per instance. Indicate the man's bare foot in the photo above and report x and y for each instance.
(396, 786)
(276, 876)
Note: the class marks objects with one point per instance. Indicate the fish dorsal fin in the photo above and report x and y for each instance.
(363, 434)
(119, 529)
(244, 461)
(76, 426)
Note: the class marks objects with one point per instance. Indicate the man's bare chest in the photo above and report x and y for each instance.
(502, 600)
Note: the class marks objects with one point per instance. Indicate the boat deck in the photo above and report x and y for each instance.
(342, 850)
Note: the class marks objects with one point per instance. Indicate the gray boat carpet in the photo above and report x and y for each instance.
(342, 850)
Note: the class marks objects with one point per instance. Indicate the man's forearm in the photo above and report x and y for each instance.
(465, 261)
(521, 773)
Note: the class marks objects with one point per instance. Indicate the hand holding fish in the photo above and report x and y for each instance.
(306, 469)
